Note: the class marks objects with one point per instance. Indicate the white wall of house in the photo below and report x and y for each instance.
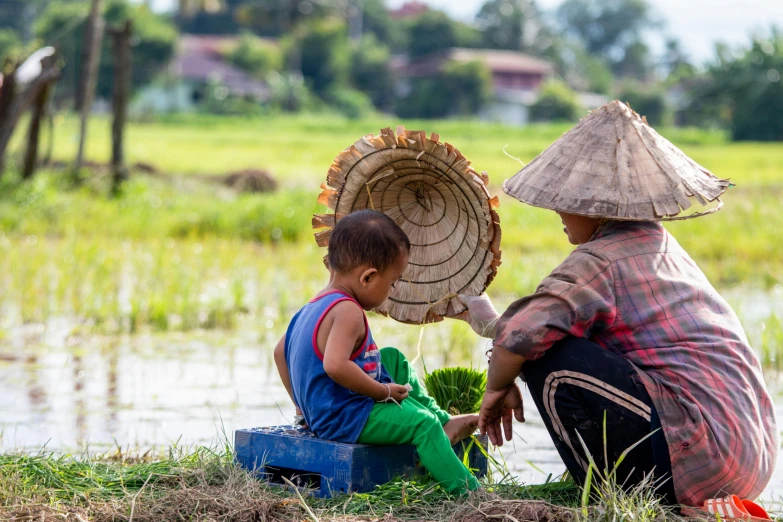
(177, 96)
(508, 113)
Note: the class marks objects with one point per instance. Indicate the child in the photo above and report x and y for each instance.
(347, 389)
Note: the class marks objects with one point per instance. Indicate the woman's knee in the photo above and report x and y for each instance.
(570, 354)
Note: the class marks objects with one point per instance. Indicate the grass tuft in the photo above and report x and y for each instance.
(205, 484)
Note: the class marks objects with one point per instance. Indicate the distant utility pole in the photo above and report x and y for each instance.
(92, 57)
(355, 19)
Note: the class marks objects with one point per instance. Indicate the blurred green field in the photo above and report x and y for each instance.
(197, 252)
(299, 149)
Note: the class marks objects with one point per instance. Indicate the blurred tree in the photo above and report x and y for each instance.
(748, 84)
(676, 63)
(279, 17)
(606, 27)
(62, 25)
(468, 86)
(321, 47)
(376, 20)
(189, 8)
(19, 16)
(612, 29)
(431, 32)
(556, 101)
(255, 55)
(10, 44)
(457, 89)
(636, 61)
(289, 93)
(581, 70)
(348, 101)
(511, 24)
(207, 16)
(371, 73)
(649, 101)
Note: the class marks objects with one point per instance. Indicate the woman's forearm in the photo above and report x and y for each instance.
(504, 368)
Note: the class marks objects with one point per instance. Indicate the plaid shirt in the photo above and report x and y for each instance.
(633, 290)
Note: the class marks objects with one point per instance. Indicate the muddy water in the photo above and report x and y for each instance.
(70, 392)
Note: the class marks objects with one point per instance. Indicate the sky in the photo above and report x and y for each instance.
(698, 24)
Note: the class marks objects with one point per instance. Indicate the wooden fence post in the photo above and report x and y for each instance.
(122, 81)
(93, 58)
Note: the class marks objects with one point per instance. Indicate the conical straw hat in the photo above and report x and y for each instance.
(613, 165)
(430, 190)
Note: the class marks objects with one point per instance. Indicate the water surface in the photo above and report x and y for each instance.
(68, 392)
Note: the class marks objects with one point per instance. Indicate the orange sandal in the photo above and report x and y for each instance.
(733, 508)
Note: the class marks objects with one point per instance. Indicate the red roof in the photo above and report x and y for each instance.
(200, 59)
(409, 10)
(496, 61)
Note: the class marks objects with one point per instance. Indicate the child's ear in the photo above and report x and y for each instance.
(367, 276)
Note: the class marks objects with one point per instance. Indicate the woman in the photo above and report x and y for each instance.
(627, 331)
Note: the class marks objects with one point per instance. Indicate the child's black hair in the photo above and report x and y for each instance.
(366, 237)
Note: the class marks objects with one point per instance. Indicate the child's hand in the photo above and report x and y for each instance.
(398, 391)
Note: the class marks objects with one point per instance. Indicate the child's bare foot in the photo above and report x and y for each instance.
(460, 427)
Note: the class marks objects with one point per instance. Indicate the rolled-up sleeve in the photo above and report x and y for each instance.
(576, 299)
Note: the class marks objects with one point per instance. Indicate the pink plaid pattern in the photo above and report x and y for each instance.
(632, 289)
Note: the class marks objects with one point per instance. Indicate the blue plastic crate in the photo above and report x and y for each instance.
(330, 468)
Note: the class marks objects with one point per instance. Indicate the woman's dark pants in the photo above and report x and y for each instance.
(575, 385)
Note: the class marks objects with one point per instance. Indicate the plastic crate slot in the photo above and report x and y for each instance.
(301, 478)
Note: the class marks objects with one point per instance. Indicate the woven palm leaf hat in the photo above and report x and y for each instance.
(613, 165)
(430, 190)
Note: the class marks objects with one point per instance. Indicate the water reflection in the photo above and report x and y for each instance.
(71, 393)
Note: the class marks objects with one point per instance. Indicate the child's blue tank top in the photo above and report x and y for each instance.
(332, 412)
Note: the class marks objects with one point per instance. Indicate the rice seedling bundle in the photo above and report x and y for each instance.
(457, 390)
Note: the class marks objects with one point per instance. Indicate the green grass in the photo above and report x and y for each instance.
(204, 484)
(299, 149)
(199, 255)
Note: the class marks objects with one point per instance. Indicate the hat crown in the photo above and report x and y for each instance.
(613, 165)
(431, 191)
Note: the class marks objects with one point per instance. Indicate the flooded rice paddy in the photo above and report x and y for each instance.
(68, 392)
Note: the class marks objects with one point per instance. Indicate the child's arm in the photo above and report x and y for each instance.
(348, 327)
(282, 367)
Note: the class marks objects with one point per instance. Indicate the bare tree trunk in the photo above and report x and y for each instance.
(33, 135)
(90, 72)
(122, 80)
(7, 96)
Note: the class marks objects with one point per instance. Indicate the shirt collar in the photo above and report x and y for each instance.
(615, 226)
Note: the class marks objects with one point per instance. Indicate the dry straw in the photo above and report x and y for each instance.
(431, 191)
(613, 165)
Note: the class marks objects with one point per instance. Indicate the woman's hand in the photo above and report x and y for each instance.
(496, 408)
(480, 315)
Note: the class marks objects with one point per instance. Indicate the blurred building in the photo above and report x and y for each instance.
(516, 80)
(198, 66)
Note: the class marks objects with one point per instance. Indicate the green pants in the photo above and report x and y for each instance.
(419, 422)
